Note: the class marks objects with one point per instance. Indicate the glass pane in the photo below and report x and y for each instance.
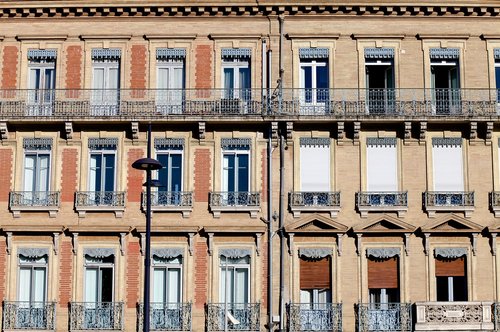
(39, 284)
(158, 291)
(95, 172)
(98, 78)
(90, 285)
(228, 173)
(459, 289)
(29, 172)
(442, 288)
(497, 79)
(308, 83)
(109, 184)
(49, 78)
(24, 283)
(227, 278)
(114, 78)
(243, 172)
(106, 284)
(162, 79)
(178, 78)
(174, 285)
(305, 296)
(43, 173)
(176, 172)
(228, 79)
(241, 286)
(163, 173)
(245, 83)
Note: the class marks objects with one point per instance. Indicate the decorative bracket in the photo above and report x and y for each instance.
(122, 243)
(9, 242)
(358, 243)
(190, 243)
(426, 243)
(290, 243)
(201, 130)
(339, 243)
(489, 131)
(143, 243)
(474, 243)
(68, 129)
(258, 237)
(340, 132)
(407, 130)
(274, 130)
(55, 241)
(407, 244)
(357, 129)
(289, 130)
(135, 130)
(494, 244)
(423, 130)
(210, 243)
(75, 243)
(473, 130)
(4, 131)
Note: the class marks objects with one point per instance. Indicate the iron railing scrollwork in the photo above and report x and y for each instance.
(496, 316)
(96, 316)
(243, 316)
(449, 198)
(170, 198)
(24, 315)
(381, 199)
(315, 317)
(384, 317)
(166, 316)
(234, 198)
(495, 199)
(34, 199)
(100, 198)
(310, 198)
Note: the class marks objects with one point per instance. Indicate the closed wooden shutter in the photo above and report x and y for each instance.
(450, 267)
(315, 274)
(383, 273)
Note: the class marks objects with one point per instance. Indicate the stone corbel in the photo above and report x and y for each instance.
(358, 243)
(289, 130)
(423, 130)
(68, 129)
(489, 131)
(210, 243)
(426, 243)
(75, 243)
(474, 243)
(357, 129)
(201, 130)
(494, 244)
(407, 130)
(339, 243)
(274, 131)
(55, 241)
(290, 243)
(135, 129)
(4, 131)
(9, 242)
(142, 243)
(123, 243)
(258, 237)
(407, 244)
(340, 132)
(190, 243)
(473, 130)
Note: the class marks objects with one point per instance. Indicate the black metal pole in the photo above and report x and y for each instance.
(147, 260)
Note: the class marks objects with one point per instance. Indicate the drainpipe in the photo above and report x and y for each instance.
(281, 19)
(264, 70)
(269, 232)
(282, 234)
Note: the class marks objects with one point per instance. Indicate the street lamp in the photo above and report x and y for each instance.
(147, 164)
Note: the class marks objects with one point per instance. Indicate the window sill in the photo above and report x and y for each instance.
(333, 210)
(82, 210)
(16, 210)
(185, 210)
(399, 209)
(253, 210)
(467, 210)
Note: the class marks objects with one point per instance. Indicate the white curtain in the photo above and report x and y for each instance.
(315, 168)
(225, 172)
(91, 285)
(241, 287)
(29, 172)
(158, 290)
(174, 285)
(43, 173)
(24, 284)
(93, 173)
(381, 168)
(39, 284)
(305, 296)
(448, 168)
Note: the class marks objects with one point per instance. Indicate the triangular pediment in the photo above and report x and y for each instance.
(452, 223)
(384, 224)
(316, 224)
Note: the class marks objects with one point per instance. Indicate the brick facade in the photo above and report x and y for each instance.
(69, 174)
(135, 177)
(203, 67)
(73, 67)
(65, 272)
(200, 274)
(6, 174)
(202, 177)
(133, 273)
(10, 64)
(138, 67)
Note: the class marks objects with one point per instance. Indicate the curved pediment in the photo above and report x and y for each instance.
(452, 223)
(384, 224)
(316, 224)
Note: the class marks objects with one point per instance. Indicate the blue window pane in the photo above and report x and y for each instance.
(175, 182)
(308, 83)
(230, 172)
(243, 172)
(109, 161)
(497, 78)
(98, 172)
(322, 83)
(163, 173)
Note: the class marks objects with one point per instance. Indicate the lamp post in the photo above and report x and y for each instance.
(147, 164)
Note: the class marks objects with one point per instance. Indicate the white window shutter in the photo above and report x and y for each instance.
(381, 168)
(448, 168)
(315, 168)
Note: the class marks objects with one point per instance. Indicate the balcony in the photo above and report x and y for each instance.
(389, 201)
(454, 316)
(34, 201)
(29, 316)
(315, 317)
(449, 201)
(235, 201)
(157, 104)
(302, 201)
(240, 317)
(170, 201)
(96, 316)
(100, 201)
(495, 203)
(384, 317)
(166, 317)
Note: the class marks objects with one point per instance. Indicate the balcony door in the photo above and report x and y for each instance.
(380, 86)
(41, 85)
(313, 80)
(236, 79)
(451, 279)
(447, 160)
(32, 292)
(105, 87)
(36, 177)
(497, 79)
(99, 310)
(236, 177)
(166, 281)
(445, 84)
(102, 177)
(170, 84)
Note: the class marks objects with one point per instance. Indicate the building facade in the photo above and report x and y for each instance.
(327, 166)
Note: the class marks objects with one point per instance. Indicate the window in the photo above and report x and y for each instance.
(445, 80)
(236, 73)
(102, 170)
(379, 67)
(36, 177)
(105, 81)
(315, 282)
(234, 279)
(383, 276)
(167, 277)
(447, 163)
(170, 80)
(313, 79)
(497, 72)
(451, 276)
(41, 81)
(315, 170)
(32, 288)
(170, 154)
(236, 170)
(381, 164)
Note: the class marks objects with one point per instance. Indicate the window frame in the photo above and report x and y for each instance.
(233, 267)
(169, 152)
(236, 152)
(98, 266)
(166, 266)
(33, 266)
(37, 154)
(102, 152)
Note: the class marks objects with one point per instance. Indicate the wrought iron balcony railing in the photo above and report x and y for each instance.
(158, 103)
(495, 203)
(166, 316)
(384, 317)
(100, 201)
(449, 201)
(96, 316)
(238, 317)
(454, 316)
(315, 317)
(367, 201)
(170, 201)
(20, 315)
(34, 201)
(235, 201)
(314, 201)
(496, 316)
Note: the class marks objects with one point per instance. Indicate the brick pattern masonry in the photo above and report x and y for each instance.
(6, 174)
(74, 67)
(69, 175)
(65, 272)
(10, 59)
(203, 67)
(135, 177)
(133, 271)
(202, 171)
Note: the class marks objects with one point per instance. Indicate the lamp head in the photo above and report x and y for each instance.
(145, 164)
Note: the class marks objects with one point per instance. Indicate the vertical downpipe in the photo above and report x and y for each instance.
(269, 231)
(282, 234)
